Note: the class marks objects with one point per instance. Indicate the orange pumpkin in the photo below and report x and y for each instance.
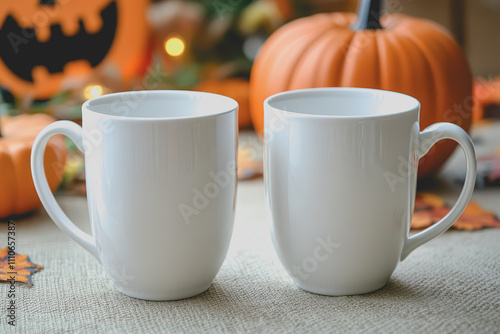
(17, 192)
(398, 53)
(45, 42)
(235, 88)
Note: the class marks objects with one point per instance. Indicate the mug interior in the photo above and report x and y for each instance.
(161, 104)
(343, 102)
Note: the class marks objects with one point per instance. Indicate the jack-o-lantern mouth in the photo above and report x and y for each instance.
(59, 50)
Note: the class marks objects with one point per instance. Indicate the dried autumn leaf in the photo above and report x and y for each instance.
(475, 218)
(425, 200)
(429, 209)
(19, 266)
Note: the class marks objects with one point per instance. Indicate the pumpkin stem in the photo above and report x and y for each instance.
(368, 15)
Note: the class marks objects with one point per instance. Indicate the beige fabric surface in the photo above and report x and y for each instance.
(451, 284)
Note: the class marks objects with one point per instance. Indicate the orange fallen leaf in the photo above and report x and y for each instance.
(425, 201)
(475, 218)
(17, 266)
(430, 208)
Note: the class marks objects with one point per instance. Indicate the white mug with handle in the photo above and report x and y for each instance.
(340, 171)
(160, 171)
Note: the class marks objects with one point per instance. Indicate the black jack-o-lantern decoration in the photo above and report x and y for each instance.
(44, 42)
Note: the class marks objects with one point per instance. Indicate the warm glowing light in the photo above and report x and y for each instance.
(93, 91)
(174, 46)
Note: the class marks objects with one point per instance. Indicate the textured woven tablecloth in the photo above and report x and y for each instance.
(451, 284)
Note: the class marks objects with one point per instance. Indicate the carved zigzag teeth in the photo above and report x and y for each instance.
(92, 23)
(70, 26)
(42, 33)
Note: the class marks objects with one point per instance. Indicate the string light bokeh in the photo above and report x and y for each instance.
(92, 91)
(175, 46)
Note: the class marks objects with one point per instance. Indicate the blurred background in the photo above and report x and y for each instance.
(474, 24)
(55, 54)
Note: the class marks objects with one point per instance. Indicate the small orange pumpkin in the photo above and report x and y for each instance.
(45, 42)
(235, 88)
(398, 53)
(17, 191)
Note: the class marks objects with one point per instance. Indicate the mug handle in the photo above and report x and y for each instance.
(74, 132)
(426, 140)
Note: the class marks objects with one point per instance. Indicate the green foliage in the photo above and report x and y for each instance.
(6, 102)
(223, 8)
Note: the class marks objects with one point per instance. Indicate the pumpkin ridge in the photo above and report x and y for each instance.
(311, 61)
(305, 49)
(384, 43)
(290, 55)
(345, 50)
(358, 59)
(395, 62)
(436, 79)
(336, 61)
(431, 88)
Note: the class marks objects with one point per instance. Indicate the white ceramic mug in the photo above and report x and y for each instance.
(160, 171)
(340, 174)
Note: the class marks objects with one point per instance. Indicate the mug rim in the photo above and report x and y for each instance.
(108, 99)
(296, 93)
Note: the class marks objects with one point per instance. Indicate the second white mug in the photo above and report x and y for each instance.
(340, 169)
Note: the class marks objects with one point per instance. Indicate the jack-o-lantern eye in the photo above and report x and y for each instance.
(53, 54)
